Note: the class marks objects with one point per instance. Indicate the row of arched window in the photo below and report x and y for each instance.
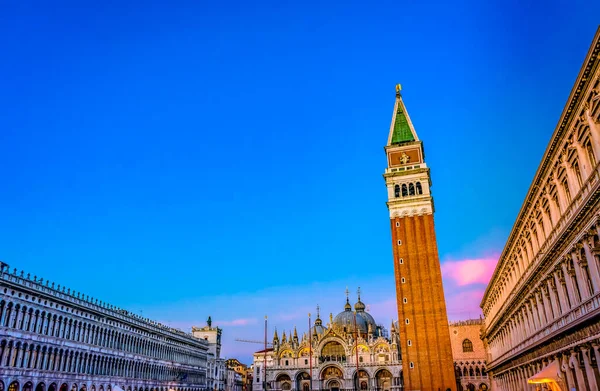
(20, 317)
(470, 370)
(41, 386)
(408, 189)
(18, 354)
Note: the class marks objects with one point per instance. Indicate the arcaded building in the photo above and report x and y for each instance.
(350, 352)
(56, 339)
(422, 318)
(542, 305)
(469, 355)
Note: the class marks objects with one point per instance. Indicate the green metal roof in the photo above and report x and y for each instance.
(402, 132)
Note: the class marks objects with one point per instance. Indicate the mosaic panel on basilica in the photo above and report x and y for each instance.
(55, 339)
(542, 306)
(350, 352)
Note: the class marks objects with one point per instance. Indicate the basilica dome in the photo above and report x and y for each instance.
(318, 327)
(345, 319)
(360, 310)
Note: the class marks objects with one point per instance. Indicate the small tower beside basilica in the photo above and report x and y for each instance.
(422, 319)
(351, 352)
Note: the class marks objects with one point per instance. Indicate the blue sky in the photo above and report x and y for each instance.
(194, 158)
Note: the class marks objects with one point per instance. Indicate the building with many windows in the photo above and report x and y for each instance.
(542, 305)
(351, 352)
(216, 378)
(56, 339)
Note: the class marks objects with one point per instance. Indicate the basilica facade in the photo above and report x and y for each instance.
(350, 352)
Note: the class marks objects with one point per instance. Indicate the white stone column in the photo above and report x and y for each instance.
(589, 371)
(594, 131)
(572, 181)
(540, 308)
(545, 294)
(25, 321)
(574, 363)
(592, 263)
(562, 201)
(580, 274)
(552, 294)
(573, 297)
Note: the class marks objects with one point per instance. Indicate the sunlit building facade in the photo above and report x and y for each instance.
(469, 355)
(542, 305)
(56, 339)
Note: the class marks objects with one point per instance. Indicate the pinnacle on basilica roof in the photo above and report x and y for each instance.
(359, 306)
(347, 307)
(401, 129)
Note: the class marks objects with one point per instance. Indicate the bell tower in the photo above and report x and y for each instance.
(427, 363)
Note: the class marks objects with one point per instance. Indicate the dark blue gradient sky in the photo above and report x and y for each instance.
(225, 158)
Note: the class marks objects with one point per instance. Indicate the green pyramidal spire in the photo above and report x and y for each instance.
(401, 130)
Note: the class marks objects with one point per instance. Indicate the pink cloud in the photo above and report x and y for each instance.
(463, 304)
(470, 271)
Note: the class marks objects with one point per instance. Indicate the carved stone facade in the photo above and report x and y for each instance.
(469, 355)
(542, 305)
(334, 354)
(55, 339)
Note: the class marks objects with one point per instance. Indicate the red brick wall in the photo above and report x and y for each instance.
(430, 351)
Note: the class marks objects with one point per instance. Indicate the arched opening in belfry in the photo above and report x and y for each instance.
(419, 188)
